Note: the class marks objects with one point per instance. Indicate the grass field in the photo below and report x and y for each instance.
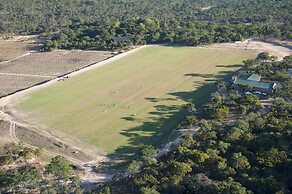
(137, 99)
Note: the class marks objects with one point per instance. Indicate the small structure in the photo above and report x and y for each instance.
(122, 39)
(254, 83)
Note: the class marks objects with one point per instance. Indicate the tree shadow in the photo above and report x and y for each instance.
(153, 99)
(199, 75)
(230, 66)
(162, 123)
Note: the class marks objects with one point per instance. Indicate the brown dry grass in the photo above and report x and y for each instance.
(9, 84)
(36, 67)
(279, 49)
(11, 49)
(4, 129)
(4, 135)
(54, 63)
(35, 139)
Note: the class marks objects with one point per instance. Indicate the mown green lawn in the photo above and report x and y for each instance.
(137, 99)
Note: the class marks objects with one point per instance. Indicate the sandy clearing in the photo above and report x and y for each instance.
(258, 46)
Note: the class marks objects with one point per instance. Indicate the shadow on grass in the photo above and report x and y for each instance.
(160, 124)
(199, 75)
(226, 66)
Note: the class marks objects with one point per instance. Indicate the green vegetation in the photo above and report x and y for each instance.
(137, 99)
(21, 173)
(93, 24)
(245, 152)
(59, 167)
(37, 16)
(154, 31)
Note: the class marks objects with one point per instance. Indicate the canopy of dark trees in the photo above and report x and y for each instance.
(93, 23)
(35, 16)
(155, 31)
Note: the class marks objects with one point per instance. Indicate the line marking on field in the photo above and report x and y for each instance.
(28, 75)
(8, 61)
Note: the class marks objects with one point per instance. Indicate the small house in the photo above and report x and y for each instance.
(254, 83)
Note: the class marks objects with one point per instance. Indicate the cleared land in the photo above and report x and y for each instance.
(11, 83)
(137, 99)
(273, 47)
(38, 67)
(54, 63)
(10, 49)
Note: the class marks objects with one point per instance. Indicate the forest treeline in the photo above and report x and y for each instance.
(36, 16)
(155, 31)
(93, 23)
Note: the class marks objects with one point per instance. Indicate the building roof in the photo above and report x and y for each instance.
(254, 84)
(255, 77)
(121, 38)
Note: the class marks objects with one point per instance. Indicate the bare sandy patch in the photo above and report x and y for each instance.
(259, 46)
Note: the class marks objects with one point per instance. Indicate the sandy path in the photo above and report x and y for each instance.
(27, 75)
